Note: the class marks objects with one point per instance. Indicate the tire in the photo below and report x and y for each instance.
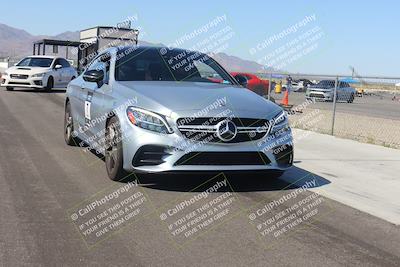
(69, 127)
(351, 99)
(113, 153)
(8, 88)
(50, 84)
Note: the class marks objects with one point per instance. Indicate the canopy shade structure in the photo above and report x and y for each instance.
(349, 80)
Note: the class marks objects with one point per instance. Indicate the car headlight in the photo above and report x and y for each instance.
(280, 123)
(148, 120)
(38, 75)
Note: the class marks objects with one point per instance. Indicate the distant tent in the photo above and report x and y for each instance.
(278, 76)
(349, 80)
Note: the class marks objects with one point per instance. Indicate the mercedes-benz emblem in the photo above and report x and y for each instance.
(226, 130)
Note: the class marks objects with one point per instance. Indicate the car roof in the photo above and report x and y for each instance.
(44, 56)
(140, 48)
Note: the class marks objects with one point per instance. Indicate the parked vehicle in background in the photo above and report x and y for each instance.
(300, 85)
(254, 83)
(360, 92)
(39, 72)
(167, 130)
(324, 91)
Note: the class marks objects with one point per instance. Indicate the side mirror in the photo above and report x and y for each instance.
(242, 80)
(94, 76)
(58, 66)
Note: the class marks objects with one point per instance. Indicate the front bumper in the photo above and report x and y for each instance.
(30, 82)
(178, 154)
(318, 95)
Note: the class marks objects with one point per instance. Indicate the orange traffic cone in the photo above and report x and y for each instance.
(285, 99)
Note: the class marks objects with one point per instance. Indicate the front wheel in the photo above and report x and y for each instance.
(113, 150)
(50, 84)
(69, 135)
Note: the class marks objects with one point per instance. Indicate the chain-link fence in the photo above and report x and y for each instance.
(365, 109)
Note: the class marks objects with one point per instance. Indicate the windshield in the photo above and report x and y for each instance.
(35, 62)
(326, 84)
(149, 64)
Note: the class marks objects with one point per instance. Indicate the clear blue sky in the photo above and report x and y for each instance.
(364, 34)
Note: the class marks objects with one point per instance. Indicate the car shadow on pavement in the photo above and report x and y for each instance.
(240, 181)
(53, 91)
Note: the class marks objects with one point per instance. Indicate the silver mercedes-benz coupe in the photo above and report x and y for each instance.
(160, 109)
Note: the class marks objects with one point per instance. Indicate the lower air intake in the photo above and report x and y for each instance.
(223, 158)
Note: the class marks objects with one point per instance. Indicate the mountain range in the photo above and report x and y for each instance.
(17, 43)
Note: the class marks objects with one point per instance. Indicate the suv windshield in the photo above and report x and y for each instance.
(155, 64)
(326, 84)
(35, 62)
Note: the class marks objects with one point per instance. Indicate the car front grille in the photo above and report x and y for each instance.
(20, 83)
(19, 76)
(205, 129)
(223, 158)
(317, 95)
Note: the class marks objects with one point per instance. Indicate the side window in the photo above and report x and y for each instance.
(65, 63)
(205, 71)
(57, 62)
(344, 85)
(93, 64)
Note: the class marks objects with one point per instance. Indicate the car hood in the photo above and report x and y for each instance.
(180, 97)
(26, 70)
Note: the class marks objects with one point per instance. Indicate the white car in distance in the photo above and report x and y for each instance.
(40, 72)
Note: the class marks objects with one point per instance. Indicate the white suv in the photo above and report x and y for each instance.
(39, 72)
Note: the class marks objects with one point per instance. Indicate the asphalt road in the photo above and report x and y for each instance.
(378, 105)
(42, 179)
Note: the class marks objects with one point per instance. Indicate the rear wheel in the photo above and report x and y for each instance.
(113, 150)
(69, 135)
(8, 88)
(351, 99)
(50, 84)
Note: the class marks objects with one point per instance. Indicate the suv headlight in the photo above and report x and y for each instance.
(148, 120)
(38, 75)
(281, 123)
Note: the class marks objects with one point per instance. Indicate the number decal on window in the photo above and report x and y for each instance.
(88, 104)
(87, 110)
